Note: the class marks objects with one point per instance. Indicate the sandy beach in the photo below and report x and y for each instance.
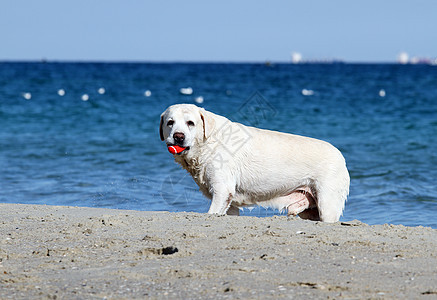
(53, 252)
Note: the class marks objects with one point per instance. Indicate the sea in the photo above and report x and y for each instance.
(86, 134)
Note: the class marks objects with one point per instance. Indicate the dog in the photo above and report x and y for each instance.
(237, 165)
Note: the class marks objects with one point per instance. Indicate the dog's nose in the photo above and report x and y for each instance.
(179, 138)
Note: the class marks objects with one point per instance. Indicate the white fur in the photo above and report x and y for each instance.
(236, 165)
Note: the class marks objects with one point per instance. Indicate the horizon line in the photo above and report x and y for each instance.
(139, 61)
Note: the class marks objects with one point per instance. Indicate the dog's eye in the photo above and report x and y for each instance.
(170, 123)
(190, 123)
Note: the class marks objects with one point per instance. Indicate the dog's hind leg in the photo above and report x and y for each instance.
(332, 194)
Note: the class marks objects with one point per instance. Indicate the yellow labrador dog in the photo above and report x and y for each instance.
(237, 166)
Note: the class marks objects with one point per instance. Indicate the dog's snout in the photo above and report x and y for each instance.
(179, 138)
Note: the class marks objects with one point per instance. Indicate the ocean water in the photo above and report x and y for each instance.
(106, 151)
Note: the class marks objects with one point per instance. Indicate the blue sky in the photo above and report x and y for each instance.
(134, 30)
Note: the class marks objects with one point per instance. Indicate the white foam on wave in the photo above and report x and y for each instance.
(306, 92)
(85, 97)
(186, 91)
(27, 96)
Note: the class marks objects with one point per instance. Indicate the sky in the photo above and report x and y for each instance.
(217, 31)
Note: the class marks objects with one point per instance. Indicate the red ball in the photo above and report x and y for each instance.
(175, 149)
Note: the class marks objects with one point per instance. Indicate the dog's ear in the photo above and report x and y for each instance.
(161, 133)
(208, 123)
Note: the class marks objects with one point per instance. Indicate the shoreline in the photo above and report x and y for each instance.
(54, 252)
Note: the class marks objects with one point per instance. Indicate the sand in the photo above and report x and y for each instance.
(53, 252)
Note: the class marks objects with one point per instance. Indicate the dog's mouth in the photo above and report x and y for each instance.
(176, 149)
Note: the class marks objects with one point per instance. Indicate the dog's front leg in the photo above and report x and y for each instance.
(221, 201)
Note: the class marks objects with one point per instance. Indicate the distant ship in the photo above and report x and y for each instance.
(297, 58)
(404, 58)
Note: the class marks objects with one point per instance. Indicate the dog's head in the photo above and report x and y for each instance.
(185, 125)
